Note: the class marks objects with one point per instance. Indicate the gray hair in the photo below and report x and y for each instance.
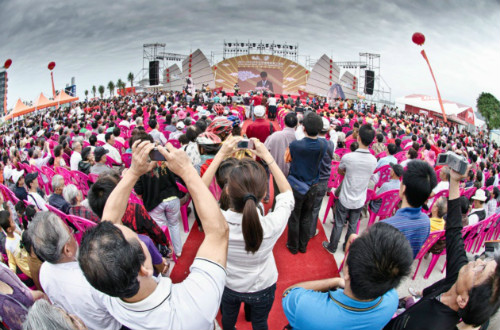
(138, 121)
(56, 181)
(43, 315)
(70, 194)
(48, 235)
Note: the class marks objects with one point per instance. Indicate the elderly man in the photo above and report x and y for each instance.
(113, 152)
(56, 199)
(118, 264)
(61, 277)
(76, 156)
(74, 197)
(262, 127)
(100, 161)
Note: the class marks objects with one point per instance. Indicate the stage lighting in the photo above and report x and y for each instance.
(254, 45)
(279, 46)
(267, 45)
(242, 45)
(291, 47)
(229, 44)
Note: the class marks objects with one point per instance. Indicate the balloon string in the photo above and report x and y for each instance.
(435, 83)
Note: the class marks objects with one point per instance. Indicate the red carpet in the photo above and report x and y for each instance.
(313, 265)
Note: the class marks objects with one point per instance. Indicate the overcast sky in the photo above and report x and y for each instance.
(96, 41)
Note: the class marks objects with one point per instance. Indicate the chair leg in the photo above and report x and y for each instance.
(416, 270)
(328, 207)
(444, 267)
(432, 264)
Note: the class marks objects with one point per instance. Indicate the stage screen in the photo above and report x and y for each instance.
(260, 73)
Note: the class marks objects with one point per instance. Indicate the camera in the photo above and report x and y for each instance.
(455, 162)
(245, 144)
(155, 155)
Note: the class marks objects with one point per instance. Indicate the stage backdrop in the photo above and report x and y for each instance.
(260, 72)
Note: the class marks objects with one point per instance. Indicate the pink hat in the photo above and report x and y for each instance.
(181, 114)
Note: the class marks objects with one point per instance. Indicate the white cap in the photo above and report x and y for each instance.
(180, 125)
(259, 111)
(16, 175)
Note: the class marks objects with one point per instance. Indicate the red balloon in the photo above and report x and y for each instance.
(7, 63)
(418, 38)
(51, 66)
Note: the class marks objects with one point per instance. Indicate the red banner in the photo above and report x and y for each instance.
(127, 91)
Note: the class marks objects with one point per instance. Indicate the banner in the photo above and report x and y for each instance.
(127, 91)
(259, 72)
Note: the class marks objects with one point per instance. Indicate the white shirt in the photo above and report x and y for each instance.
(113, 153)
(271, 101)
(443, 185)
(37, 200)
(474, 218)
(67, 287)
(359, 166)
(252, 272)
(191, 304)
(76, 157)
(158, 137)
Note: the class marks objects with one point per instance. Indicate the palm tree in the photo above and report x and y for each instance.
(101, 91)
(121, 85)
(94, 90)
(86, 93)
(131, 79)
(111, 88)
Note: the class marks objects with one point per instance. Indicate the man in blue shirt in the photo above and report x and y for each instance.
(377, 262)
(391, 149)
(306, 155)
(418, 181)
(56, 199)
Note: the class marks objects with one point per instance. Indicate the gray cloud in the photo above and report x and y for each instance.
(96, 41)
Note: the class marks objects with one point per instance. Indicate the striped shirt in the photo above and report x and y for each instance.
(414, 224)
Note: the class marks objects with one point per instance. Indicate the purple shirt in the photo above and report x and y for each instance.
(156, 256)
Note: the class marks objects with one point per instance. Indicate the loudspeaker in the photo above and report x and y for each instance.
(154, 73)
(369, 81)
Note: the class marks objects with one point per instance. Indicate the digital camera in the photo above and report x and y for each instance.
(455, 162)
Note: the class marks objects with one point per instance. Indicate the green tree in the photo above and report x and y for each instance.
(111, 88)
(86, 93)
(489, 107)
(101, 91)
(120, 84)
(94, 90)
(130, 78)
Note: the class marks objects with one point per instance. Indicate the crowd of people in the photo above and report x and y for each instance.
(132, 168)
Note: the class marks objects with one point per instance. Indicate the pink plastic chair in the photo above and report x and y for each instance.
(59, 213)
(99, 143)
(469, 192)
(82, 181)
(390, 200)
(167, 233)
(93, 177)
(111, 162)
(384, 175)
(440, 194)
(333, 182)
(381, 155)
(166, 134)
(184, 208)
(348, 143)
(428, 244)
(400, 156)
(127, 160)
(482, 232)
(9, 194)
(66, 158)
(133, 198)
(67, 175)
(342, 151)
(49, 174)
(81, 224)
(175, 143)
(119, 146)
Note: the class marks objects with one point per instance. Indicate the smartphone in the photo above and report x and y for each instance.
(245, 144)
(156, 156)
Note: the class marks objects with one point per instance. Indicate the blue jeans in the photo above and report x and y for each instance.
(260, 304)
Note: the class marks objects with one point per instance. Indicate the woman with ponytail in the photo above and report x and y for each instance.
(251, 269)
